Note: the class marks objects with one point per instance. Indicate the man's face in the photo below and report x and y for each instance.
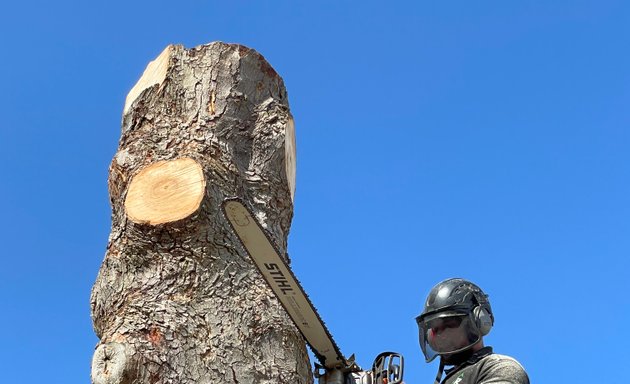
(447, 334)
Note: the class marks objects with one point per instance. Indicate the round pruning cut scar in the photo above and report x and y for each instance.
(165, 191)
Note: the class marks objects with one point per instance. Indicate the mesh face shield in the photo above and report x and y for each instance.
(446, 333)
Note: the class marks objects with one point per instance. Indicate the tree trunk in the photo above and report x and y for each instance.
(176, 299)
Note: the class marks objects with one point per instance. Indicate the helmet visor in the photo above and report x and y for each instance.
(446, 333)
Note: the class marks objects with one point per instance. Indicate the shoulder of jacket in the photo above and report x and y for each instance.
(505, 367)
(495, 357)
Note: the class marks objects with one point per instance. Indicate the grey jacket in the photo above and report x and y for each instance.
(486, 367)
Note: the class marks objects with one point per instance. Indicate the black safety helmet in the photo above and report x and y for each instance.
(456, 315)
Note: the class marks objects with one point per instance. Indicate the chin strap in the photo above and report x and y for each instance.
(438, 377)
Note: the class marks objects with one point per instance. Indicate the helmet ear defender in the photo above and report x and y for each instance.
(483, 318)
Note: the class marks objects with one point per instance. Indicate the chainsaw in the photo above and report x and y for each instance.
(332, 366)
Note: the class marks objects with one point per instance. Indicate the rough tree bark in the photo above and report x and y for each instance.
(176, 299)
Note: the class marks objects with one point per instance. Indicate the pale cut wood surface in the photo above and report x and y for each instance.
(289, 144)
(165, 191)
(155, 73)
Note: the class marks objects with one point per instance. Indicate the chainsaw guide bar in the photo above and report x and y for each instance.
(284, 284)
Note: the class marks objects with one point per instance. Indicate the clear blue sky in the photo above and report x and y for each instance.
(482, 139)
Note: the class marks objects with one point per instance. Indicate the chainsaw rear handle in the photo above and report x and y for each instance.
(388, 368)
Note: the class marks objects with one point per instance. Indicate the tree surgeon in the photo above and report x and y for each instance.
(456, 317)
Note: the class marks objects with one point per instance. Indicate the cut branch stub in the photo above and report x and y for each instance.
(109, 364)
(155, 73)
(289, 153)
(165, 191)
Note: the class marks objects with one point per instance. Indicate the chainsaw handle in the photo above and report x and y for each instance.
(388, 368)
